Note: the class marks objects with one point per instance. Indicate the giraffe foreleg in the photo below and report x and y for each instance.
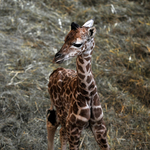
(97, 124)
(52, 125)
(74, 132)
(99, 130)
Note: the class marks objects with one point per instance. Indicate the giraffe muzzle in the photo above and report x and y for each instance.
(58, 58)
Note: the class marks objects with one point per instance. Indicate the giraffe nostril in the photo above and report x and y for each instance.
(58, 55)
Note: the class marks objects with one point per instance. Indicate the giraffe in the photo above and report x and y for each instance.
(74, 93)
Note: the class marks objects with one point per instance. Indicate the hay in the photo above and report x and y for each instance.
(32, 32)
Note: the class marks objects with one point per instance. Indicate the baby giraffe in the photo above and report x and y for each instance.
(74, 93)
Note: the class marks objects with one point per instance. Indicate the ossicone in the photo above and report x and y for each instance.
(74, 26)
(89, 23)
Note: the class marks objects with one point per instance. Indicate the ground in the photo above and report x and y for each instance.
(31, 32)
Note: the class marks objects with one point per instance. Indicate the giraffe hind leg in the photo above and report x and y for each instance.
(63, 138)
(52, 124)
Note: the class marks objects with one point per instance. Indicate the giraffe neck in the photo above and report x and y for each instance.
(86, 82)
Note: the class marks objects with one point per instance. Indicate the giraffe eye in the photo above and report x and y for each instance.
(76, 45)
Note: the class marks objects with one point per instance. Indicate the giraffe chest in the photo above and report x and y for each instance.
(79, 112)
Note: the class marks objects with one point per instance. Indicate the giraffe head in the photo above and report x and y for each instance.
(80, 40)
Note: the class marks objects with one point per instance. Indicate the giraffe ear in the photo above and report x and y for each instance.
(74, 26)
(92, 31)
(89, 23)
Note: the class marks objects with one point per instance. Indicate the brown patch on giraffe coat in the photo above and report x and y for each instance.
(75, 143)
(72, 118)
(81, 60)
(82, 100)
(56, 72)
(70, 36)
(96, 101)
(80, 68)
(88, 67)
(82, 97)
(58, 103)
(84, 92)
(71, 86)
(81, 76)
(68, 91)
(65, 113)
(51, 90)
(59, 83)
(54, 88)
(80, 122)
(88, 80)
(79, 81)
(55, 95)
(82, 103)
(74, 84)
(93, 92)
(101, 121)
(83, 85)
(76, 131)
(103, 141)
(58, 89)
(87, 59)
(76, 138)
(71, 109)
(92, 85)
(99, 127)
(85, 113)
(97, 112)
(65, 78)
(62, 90)
(55, 81)
(105, 134)
(72, 138)
(75, 108)
(105, 146)
(85, 55)
(70, 96)
(91, 52)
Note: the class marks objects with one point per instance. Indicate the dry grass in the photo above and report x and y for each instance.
(30, 34)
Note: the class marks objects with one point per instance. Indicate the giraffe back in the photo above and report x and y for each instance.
(62, 83)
